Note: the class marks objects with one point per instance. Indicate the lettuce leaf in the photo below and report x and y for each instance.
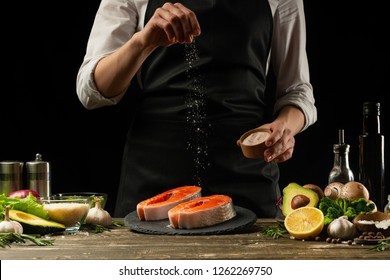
(28, 204)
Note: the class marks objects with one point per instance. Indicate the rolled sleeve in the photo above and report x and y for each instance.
(115, 22)
(90, 97)
(289, 60)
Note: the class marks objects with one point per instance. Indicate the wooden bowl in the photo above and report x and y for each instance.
(252, 142)
(370, 222)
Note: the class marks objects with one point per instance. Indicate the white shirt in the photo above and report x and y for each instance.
(117, 20)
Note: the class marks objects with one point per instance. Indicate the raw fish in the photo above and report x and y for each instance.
(157, 207)
(202, 212)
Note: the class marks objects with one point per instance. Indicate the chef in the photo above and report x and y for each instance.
(202, 68)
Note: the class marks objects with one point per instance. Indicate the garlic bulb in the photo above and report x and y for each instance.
(10, 226)
(342, 228)
(98, 216)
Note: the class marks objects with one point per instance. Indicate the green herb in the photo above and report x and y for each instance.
(99, 229)
(335, 208)
(94, 228)
(381, 246)
(118, 224)
(7, 238)
(274, 231)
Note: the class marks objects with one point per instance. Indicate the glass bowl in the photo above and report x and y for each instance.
(70, 211)
(91, 195)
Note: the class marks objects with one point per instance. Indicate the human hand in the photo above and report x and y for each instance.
(171, 24)
(280, 144)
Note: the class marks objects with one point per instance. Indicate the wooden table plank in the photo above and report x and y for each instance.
(122, 244)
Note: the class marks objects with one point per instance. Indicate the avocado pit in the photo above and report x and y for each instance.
(299, 200)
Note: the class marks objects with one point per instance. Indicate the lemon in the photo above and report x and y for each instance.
(304, 222)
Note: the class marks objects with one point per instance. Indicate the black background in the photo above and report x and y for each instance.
(43, 47)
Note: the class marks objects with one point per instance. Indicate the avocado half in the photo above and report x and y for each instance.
(33, 224)
(296, 196)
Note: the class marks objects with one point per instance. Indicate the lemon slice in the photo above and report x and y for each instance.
(304, 222)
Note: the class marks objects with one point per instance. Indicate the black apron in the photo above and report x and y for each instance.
(197, 100)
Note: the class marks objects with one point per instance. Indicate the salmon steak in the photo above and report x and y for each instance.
(202, 212)
(157, 207)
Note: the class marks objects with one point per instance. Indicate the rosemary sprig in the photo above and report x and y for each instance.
(37, 240)
(274, 231)
(7, 238)
(118, 224)
(381, 246)
(99, 228)
(94, 228)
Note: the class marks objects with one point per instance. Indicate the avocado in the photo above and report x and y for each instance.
(296, 196)
(33, 224)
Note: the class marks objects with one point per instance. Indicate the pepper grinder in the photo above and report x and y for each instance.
(341, 172)
(38, 176)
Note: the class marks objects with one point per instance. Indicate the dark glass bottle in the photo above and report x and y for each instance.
(341, 172)
(371, 155)
(387, 206)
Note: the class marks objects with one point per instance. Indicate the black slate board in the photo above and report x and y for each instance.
(243, 219)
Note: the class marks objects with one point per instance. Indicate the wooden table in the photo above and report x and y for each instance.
(124, 244)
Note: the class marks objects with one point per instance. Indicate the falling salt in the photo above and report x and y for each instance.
(197, 125)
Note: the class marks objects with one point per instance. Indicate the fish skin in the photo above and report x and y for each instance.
(202, 212)
(157, 207)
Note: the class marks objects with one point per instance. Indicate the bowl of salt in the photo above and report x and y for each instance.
(252, 142)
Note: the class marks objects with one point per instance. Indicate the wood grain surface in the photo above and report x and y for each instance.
(123, 243)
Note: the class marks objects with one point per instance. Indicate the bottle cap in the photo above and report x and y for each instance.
(341, 148)
(371, 108)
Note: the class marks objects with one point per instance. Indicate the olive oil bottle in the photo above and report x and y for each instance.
(371, 155)
(341, 172)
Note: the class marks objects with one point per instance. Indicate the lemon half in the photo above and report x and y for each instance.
(304, 222)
